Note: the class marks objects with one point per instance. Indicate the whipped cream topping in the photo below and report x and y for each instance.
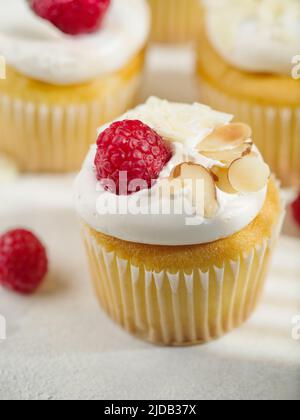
(37, 49)
(185, 126)
(255, 35)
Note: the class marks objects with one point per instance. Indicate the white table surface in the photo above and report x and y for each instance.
(61, 345)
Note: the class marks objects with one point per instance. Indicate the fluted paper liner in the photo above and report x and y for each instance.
(179, 308)
(175, 21)
(55, 137)
(276, 130)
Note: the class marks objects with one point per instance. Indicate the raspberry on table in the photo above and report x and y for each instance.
(23, 261)
(296, 210)
(133, 147)
(73, 17)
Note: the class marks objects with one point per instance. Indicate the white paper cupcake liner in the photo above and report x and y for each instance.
(56, 138)
(180, 308)
(276, 130)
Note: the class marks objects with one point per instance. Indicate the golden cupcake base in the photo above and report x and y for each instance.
(185, 295)
(270, 104)
(47, 128)
(175, 21)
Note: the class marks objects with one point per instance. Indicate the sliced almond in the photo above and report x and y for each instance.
(191, 172)
(222, 180)
(248, 174)
(228, 156)
(225, 138)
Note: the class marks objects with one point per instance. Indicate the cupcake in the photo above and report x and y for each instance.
(69, 67)
(180, 217)
(175, 21)
(247, 66)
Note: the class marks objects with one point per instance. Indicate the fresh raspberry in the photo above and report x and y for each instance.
(132, 147)
(23, 261)
(73, 17)
(296, 210)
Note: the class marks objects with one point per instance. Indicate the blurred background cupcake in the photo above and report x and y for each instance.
(175, 21)
(169, 265)
(66, 72)
(247, 66)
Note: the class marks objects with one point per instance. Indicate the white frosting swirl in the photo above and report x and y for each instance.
(37, 49)
(255, 35)
(186, 125)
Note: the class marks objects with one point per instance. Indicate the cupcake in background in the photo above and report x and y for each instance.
(247, 65)
(70, 66)
(175, 21)
(170, 263)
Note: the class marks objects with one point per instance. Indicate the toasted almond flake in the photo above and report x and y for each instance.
(191, 172)
(226, 137)
(248, 174)
(228, 156)
(222, 180)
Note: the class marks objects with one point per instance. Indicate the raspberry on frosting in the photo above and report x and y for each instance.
(130, 147)
(23, 261)
(74, 17)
